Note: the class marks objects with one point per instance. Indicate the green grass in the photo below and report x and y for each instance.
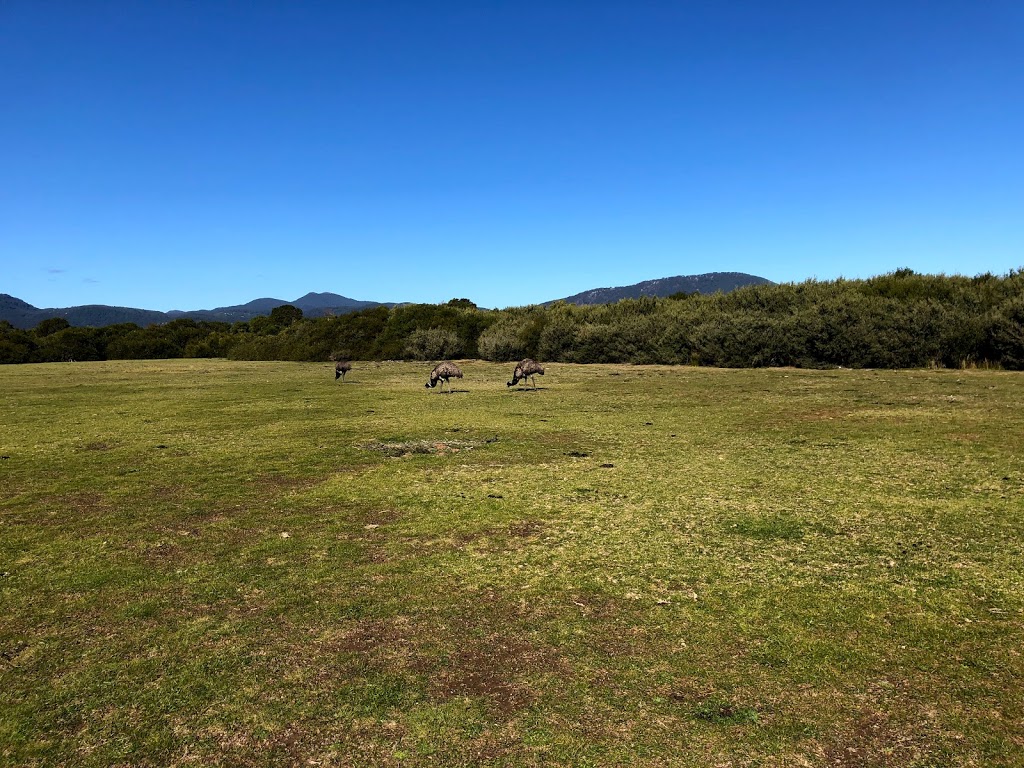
(250, 564)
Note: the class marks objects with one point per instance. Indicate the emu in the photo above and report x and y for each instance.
(443, 371)
(527, 368)
(341, 368)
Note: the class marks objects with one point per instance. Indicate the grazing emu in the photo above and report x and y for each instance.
(527, 368)
(341, 368)
(444, 371)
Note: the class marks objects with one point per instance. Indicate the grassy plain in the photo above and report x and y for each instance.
(250, 564)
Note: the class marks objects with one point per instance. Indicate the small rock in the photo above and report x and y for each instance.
(285, 535)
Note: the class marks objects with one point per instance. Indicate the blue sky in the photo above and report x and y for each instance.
(186, 155)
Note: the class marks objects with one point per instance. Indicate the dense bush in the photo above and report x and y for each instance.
(513, 335)
(896, 320)
(433, 344)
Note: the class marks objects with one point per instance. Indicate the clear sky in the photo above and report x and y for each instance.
(187, 154)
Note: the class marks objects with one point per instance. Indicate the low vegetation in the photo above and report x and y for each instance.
(205, 562)
(900, 320)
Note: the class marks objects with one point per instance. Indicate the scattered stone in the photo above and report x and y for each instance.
(285, 535)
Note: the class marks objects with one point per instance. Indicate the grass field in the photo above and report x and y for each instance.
(251, 564)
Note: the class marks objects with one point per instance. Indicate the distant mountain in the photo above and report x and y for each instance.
(21, 314)
(712, 282)
(311, 302)
(18, 313)
(312, 305)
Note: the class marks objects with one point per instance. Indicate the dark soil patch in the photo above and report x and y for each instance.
(97, 446)
(378, 639)
(285, 481)
(873, 741)
(481, 652)
(377, 517)
(524, 529)
(71, 510)
(495, 669)
(162, 552)
(168, 492)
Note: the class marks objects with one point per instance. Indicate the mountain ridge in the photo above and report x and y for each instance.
(21, 314)
(709, 282)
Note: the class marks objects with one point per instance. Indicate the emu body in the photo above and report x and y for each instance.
(526, 369)
(341, 368)
(443, 372)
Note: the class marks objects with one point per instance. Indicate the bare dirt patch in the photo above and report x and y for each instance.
(481, 654)
(168, 492)
(401, 449)
(97, 446)
(524, 529)
(496, 669)
(286, 482)
(70, 508)
(874, 741)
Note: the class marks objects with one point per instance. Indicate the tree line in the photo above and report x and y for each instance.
(898, 320)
